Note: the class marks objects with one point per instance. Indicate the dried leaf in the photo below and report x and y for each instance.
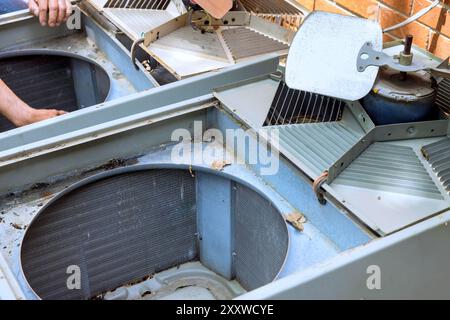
(219, 165)
(297, 220)
(16, 226)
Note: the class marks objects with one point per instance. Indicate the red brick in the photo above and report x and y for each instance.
(388, 38)
(432, 32)
(439, 45)
(325, 5)
(363, 8)
(421, 33)
(404, 6)
(438, 18)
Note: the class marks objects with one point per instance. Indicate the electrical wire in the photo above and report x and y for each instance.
(413, 18)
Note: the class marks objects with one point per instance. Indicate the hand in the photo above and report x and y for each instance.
(216, 8)
(20, 113)
(51, 12)
(30, 115)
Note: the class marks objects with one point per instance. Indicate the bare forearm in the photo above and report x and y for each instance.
(10, 104)
(20, 113)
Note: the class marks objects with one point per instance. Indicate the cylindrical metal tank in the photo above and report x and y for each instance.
(399, 98)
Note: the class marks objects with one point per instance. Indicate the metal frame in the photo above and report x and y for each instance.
(231, 20)
(27, 142)
(402, 261)
(404, 131)
(86, 156)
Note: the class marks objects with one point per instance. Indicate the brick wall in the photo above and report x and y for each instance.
(431, 32)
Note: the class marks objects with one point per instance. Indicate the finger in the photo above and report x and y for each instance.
(61, 12)
(43, 7)
(61, 112)
(52, 12)
(33, 7)
(68, 9)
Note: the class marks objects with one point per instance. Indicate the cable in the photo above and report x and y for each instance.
(317, 184)
(133, 51)
(413, 18)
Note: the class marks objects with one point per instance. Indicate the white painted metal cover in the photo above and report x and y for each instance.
(323, 56)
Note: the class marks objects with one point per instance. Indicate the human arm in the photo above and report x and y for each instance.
(18, 112)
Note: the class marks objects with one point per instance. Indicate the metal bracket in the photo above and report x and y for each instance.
(442, 70)
(367, 56)
(200, 20)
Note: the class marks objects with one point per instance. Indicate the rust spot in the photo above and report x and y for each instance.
(113, 164)
(47, 194)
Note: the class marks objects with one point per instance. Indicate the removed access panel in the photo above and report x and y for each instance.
(194, 43)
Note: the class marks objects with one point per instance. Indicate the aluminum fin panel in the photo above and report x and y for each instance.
(272, 7)
(115, 230)
(438, 155)
(244, 43)
(261, 239)
(317, 145)
(391, 168)
(292, 106)
(138, 4)
(136, 22)
(443, 96)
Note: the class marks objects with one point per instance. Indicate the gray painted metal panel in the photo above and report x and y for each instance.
(88, 155)
(118, 55)
(332, 220)
(413, 264)
(117, 229)
(311, 246)
(248, 101)
(214, 222)
(28, 30)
